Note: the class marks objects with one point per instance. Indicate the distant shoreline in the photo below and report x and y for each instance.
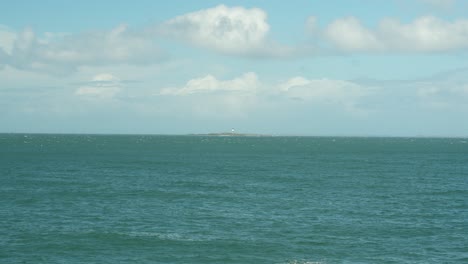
(231, 134)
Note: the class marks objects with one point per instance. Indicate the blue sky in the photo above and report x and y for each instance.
(381, 68)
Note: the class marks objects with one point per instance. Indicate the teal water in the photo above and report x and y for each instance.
(194, 199)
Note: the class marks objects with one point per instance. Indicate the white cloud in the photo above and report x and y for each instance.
(235, 31)
(318, 90)
(326, 91)
(209, 96)
(7, 39)
(97, 91)
(348, 34)
(64, 52)
(427, 91)
(229, 30)
(105, 77)
(219, 105)
(101, 86)
(247, 83)
(424, 34)
(293, 82)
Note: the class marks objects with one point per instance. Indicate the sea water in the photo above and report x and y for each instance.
(202, 199)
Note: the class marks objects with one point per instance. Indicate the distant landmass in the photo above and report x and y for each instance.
(232, 134)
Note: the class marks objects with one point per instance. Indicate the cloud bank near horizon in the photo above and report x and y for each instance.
(244, 98)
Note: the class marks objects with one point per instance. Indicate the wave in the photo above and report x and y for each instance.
(170, 236)
(304, 262)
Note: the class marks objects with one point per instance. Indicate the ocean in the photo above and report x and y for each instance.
(208, 199)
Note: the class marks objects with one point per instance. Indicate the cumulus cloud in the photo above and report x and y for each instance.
(324, 90)
(7, 39)
(101, 86)
(247, 83)
(208, 95)
(236, 31)
(349, 34)
(65, 52)
(229, 30)
(327, 91)
(424, 34)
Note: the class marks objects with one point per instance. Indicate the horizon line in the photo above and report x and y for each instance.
(213, 134)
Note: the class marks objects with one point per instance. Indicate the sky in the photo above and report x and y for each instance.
(319, 68)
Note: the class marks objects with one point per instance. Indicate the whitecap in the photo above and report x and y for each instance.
(304, 262)
(168, 236)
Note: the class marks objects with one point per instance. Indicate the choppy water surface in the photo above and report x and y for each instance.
(194, 199)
